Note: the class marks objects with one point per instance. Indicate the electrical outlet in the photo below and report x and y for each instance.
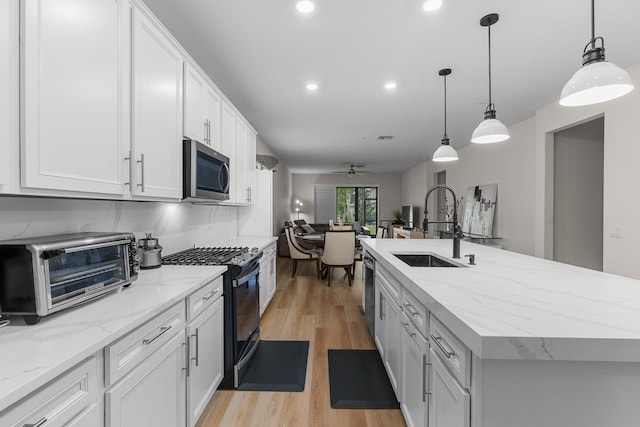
(616, 232)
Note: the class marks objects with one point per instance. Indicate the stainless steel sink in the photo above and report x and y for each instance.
(425, 260)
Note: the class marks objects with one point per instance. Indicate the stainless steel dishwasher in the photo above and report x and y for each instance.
(369, 291)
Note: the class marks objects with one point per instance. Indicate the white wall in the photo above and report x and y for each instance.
(177, 225)
(388, 197)
(509, 164)
(621, 175)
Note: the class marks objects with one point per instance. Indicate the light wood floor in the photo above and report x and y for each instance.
(304, 308)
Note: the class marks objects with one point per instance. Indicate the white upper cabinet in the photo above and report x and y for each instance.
(9, 68)
(250, 164)
(74, 77)
(238, 164)
(156, 157)
(202, 104)
(228, 130)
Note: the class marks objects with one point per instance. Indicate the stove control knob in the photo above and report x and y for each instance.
(254, 250)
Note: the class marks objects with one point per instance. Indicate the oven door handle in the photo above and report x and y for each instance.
(247, 276)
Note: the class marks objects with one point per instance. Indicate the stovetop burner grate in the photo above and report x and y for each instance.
(204, 256)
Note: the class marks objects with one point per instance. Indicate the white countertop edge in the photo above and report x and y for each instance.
(518, 347)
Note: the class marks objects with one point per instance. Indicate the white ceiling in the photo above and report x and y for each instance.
(261, 53)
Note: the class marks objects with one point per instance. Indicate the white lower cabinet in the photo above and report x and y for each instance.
(450, 403)
(381, 324)
(153, 394)
(267, 276)
(69, 400)
(206, 358)
(415, 358)
(388, 333)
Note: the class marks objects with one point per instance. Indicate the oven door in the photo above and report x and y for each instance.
(246, 290)
(75, 275)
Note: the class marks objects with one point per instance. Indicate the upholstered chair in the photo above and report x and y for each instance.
(298, 253)
(339, 249)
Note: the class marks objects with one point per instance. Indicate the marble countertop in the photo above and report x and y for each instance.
(30, 356)
(514, 306)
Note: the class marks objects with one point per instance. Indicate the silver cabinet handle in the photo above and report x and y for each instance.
(411, 309)
(406, 328)
(38, 423)
(442, 348)
(381, 306)
(197, 350)
(250, 194)
(185, 345)
(163, 330)
(211, 295)
(426, 367)
(128, 159)
(205, 131)
(141, 161)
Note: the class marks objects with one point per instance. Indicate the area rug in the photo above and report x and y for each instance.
(358, 380)
(277, 366)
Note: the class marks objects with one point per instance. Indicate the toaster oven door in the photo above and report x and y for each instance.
(79, 274)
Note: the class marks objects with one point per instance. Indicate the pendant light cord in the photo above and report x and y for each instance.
(490, 106)
(593, 24)
(445, 106)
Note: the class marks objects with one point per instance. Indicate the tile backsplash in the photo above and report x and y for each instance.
(176, 225)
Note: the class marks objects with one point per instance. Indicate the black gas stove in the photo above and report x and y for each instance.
(241, 291)
(213, 256)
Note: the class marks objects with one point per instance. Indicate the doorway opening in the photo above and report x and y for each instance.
(578, 194)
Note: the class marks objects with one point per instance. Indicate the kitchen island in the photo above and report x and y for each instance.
(533, 342)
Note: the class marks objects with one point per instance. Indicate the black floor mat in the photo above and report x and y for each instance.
(357, 380)
(277, 366)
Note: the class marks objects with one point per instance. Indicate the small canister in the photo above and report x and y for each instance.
(150, 252)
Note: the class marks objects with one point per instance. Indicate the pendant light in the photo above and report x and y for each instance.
(445, 153)
(598, 80)
(490, 130)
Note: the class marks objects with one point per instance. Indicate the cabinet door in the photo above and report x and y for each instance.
(250, 165)
(153, 394)
(450, 404)
(195, 126)
(205, 359)
(381, 321)
(393, 360)
(212, 106)
(228, 139)
(272, 273)
(258, 219)
(9, 103)
(415, 406)
(157, 108)
(239, 164)
(74, 125)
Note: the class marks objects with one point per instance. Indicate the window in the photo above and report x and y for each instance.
(358, 204)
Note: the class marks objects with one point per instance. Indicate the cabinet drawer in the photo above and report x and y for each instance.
(59, 402)
(455, 355)
(269, 250)
(126, 353)
(392, 285)
(416, 312)
(198, 301)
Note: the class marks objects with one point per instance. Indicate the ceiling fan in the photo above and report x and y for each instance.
(352, 171)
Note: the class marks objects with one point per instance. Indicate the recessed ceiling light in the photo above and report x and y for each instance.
(312, 86)
(390, 85)
(305, 6)
(431, 5)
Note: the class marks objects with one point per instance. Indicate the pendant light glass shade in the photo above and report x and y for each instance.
(490, 130)
(598, 80)
(594, 83)
(445, 153)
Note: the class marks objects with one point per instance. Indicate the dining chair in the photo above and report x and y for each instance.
(339, 250)
(380, 233)
(298, 253)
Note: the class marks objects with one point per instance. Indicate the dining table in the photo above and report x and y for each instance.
(316, 240)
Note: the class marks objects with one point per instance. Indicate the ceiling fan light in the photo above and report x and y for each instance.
(594, 83)
(490, 131)
(445, 153)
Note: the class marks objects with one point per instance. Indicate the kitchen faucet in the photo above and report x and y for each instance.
(457, 232)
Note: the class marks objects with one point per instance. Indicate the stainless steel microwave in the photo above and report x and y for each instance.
(206, 173)
(42, 275)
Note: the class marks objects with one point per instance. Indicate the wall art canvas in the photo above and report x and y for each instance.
(479, 211)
